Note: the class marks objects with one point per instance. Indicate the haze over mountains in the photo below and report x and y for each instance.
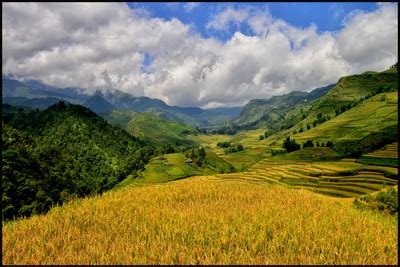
(38, 95)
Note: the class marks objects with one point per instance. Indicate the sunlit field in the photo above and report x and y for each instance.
(200, 221)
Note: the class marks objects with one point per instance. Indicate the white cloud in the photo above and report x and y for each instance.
(369, 40)
(190, 6)
(102, 45)
(229, 16)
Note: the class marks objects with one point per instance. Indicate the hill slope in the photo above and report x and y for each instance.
(98, 104)
(261, 111)
(351, 90)
(65, 151)
(370, 116)
(203, 221)
(150, 127)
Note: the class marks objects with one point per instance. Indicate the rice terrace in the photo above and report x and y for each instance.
(200, 133)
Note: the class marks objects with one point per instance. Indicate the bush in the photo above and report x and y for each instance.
(276, 152)
(234, 149)
(308, 143)
(224, 144)
(290, 145)
(329, 144)
(386, 201)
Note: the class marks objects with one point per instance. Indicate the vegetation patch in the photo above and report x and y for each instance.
(384, 201)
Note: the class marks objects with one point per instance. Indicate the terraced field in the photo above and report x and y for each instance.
(337, 178)
(389, 151)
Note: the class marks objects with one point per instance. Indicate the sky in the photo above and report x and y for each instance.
(197, 54)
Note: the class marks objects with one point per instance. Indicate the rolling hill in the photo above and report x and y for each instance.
(63, 152)
(351, 90)
(261, 112)
(150, 127)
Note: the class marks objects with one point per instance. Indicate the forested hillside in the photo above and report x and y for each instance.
(63, 152)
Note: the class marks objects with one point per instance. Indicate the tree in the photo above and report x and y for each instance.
(261, 137)
(308, 143)
(290, 145)
(202, 153)
(329, 144)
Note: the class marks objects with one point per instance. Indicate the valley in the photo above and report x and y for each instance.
(283, 181)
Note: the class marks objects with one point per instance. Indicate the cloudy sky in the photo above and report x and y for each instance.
(197, 54)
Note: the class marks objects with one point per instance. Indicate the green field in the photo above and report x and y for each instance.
(171, 167)
(150, 127)
(372, 115)
(389, 151)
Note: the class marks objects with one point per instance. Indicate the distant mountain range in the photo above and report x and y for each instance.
(260, 110)
(35, 94)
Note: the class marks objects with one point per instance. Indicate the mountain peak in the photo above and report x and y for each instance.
(98, 104)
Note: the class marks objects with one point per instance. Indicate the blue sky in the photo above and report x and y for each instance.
(326, 16)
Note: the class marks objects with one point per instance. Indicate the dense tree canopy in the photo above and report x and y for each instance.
(63, 152)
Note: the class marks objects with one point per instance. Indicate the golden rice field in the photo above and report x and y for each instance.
(200, 221)
(389, 151)
(336, 178)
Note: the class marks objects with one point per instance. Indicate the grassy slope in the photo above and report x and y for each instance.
(253, 152)
(150, 127)
(389, 151)
(350, 89)
(170, 167)
(372, 115)
(199, 221)
(387, 156)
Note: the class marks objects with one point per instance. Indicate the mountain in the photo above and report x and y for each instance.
(277, 112)
(193, 116)
(37, 89)
(351, 90)
(62, 152)
(358, 115)
(98, 104)
(111, 99)
(40, 103)
(150, 127)
(215, 116)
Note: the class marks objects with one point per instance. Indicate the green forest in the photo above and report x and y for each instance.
(61, 153)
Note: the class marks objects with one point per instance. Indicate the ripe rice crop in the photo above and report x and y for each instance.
(201, 221)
